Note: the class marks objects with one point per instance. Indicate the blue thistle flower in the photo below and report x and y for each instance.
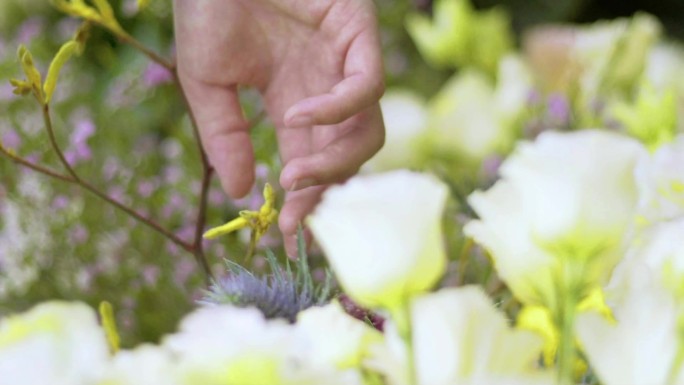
(281, 294)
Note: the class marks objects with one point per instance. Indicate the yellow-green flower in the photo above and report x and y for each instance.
(652, 118)
(539, 319)
(258, 221)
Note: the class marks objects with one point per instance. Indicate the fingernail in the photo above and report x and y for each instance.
(301, 121)
(301, 184)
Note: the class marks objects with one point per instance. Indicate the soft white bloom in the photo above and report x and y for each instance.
(406, 118)
(665, 71)
(335, 336)
(382, 235)
(642, 348)
(458, 336)
(146, 365)
(514, 84)
(54, 343)
(592, 60)
(655, 258)
(665, 67)
(390, 359)
(603, 58)
(661, 183)
(461, 120)
(471, 117)
(564, 202)
(225, 345)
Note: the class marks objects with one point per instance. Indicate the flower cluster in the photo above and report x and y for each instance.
(540, 242)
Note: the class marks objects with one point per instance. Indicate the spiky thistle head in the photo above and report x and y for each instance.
(282, 294)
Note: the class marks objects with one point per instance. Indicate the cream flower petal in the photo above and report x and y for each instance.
(55, 343)
(458, 336)
(382, 235)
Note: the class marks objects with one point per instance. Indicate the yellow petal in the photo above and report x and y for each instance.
(21, 87)
(32, 74)
(538, 319)
(596, 301)
(269, 198)
(249, 215)
(77, 8)
(67, 50)
(29, 68)
(107, 14)
(109, 326)
(234, 225)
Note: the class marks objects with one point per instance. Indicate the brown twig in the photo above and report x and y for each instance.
(130, 40)
(75, 179)
(40, 169)
(197, 249)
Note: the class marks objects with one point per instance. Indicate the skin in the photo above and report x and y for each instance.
(318, 67)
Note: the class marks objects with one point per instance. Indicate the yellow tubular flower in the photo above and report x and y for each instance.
(109, 326)
(258, 221)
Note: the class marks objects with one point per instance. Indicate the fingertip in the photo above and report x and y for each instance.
(237, 188)
(295, 117)
(288, 222)
(292, 244)
(297, 206)
(294, 176)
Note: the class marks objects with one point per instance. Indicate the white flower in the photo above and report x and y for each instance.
(642, 348)
(461, 119)
(146, 365)
(225, 345)
(564, 206)
(406, 118)
(473, 118)
(655, 258)
(459, 336)
(514, 84)
(54, 343)
(604, 60)
(382, 235)
(665, 67)
(661, 183)
(390, 359)
(336, 337)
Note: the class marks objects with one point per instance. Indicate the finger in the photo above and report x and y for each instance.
(292, 243)
(362, 86)
(224, 133)
(297, 206)
(338, 160)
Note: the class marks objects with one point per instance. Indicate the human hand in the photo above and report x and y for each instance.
(318, 66)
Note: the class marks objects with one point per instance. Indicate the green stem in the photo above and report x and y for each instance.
(402, 318)
(566, 347)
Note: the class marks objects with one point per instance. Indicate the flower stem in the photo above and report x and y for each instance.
(76, 179)
(402, 318)
(566, 348)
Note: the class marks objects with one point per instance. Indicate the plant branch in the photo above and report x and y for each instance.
(130, 40)
(75, 179)
(197, 248)
(53, 142)
(40, 169)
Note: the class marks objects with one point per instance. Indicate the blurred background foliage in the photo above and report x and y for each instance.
(123, 125)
